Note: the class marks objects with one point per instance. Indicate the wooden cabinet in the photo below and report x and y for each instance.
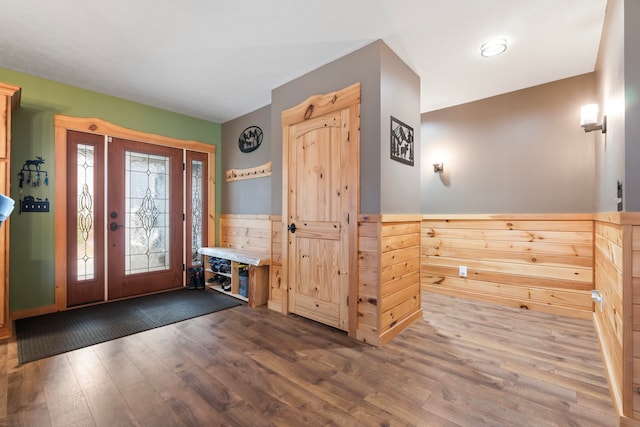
(257, 265)
(9, 101)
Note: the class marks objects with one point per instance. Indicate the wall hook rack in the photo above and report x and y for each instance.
(249, 173)
(34, 204)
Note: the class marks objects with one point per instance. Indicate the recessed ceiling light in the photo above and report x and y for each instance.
(493, 47)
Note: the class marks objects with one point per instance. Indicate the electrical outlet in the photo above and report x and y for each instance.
(463, 271)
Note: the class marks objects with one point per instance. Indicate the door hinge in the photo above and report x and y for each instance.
(347, 218)
(184, 217)
(184, 267)
(347, 300)
(184, 166)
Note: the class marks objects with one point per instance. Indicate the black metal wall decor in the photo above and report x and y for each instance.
(32, 175)
(402, 144)
(32, 204)
(250, 139)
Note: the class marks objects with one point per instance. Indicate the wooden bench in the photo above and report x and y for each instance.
(258, 266)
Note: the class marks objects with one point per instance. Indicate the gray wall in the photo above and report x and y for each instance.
(250, 196)
(610, 147)
(400, 98)
(632, 98)
(361, 66)
(388, 87)
(522, 152)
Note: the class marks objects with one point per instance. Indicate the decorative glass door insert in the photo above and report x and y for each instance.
(196, 224)
(196, 171)
(86, 212)
(85, 218)
(147, 224)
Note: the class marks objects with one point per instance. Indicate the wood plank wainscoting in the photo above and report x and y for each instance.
(277, 286)
(389, 276)
(259, 233)
(617, 277)
(539, 262)
(251, 232)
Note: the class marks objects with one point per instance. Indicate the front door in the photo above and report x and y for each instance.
(320, 148)
(125, 218)
(144, 208)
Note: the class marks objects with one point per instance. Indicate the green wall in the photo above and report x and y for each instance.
(32, 234)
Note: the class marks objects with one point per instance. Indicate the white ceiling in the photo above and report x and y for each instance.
(219, 59)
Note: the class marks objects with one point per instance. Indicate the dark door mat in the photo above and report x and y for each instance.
(50, 334)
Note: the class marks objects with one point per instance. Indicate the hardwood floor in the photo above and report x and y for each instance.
(468, 363)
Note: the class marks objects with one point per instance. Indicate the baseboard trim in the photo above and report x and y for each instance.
(31, 312)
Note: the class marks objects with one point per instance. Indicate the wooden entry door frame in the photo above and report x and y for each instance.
(97, 126)
(345, 101)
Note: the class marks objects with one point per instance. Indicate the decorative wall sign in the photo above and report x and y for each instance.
(31, 173)
(249, 173)
(402, 144)
(250, 139)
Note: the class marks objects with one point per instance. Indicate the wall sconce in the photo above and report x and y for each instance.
(438, 167)
(589, 119)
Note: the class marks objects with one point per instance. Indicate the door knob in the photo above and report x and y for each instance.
(292, 228)
(114, 226)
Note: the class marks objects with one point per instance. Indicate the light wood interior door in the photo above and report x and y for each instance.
(321, 181)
